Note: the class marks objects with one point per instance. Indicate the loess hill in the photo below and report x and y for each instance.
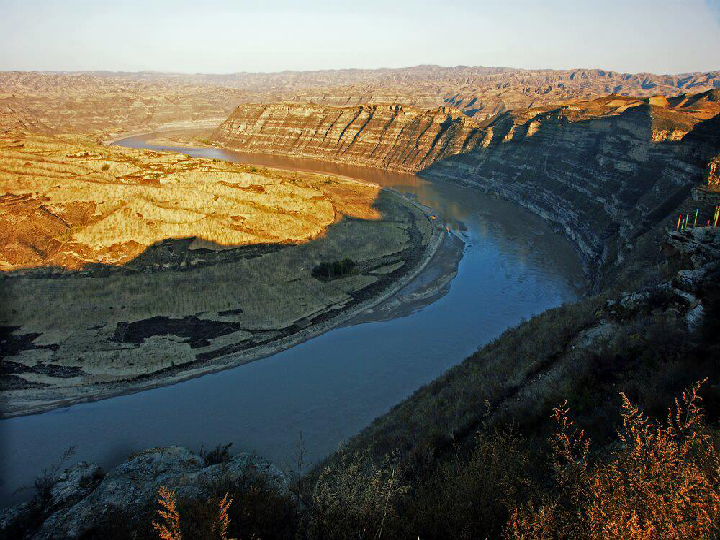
(69, 203)
(113, 102)
(479, 92)
(73, 103)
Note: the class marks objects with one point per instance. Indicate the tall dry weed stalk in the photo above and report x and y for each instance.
(168, 526)
(662, 482)
(223, 520)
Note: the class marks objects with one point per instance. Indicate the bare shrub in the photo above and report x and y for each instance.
(219, 454)
(356, 498)
(223, 519)
(661, 482)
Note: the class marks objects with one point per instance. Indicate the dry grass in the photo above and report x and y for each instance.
(68, 202)
(223, 519)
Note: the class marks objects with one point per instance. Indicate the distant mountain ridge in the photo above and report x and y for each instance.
(479, 92)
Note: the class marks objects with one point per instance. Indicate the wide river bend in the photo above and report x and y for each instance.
(330, 387)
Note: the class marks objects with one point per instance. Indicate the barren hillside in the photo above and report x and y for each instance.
(68, 202)
(123, 101)
(58, 103)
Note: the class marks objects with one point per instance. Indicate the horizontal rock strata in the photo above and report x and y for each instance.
(604, 171)
(389, 136)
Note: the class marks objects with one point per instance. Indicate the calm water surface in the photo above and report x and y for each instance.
(332, 386)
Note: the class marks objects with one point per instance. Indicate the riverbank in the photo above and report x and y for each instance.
(38, 401)
(181, 134)
(334, 385)
(172, 311)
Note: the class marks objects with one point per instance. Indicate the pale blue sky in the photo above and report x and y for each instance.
(223, 36)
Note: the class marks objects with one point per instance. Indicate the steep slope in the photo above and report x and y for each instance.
(605, 172)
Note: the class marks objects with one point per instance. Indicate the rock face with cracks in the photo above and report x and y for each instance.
(83, 495)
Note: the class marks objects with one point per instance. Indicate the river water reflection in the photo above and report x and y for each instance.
(332, 386)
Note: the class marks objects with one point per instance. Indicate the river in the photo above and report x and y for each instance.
(330, 387)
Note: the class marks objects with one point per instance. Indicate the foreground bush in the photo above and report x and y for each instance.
(335, 269)
(356, 499)
(660, 482)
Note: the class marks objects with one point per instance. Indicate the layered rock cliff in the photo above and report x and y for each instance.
(389, 136)
(605, 177)
(604, 171)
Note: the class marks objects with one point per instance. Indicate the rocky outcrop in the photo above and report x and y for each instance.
(691, 258)
(709, 192)
(694, 254)
(604, 171)
(81, 497)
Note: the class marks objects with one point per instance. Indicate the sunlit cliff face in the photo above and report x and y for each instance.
(67, 202)
(410, 139)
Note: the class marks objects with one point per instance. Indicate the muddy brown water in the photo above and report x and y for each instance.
(330, 387)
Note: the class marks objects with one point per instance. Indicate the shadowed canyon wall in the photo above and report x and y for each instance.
(604, 171)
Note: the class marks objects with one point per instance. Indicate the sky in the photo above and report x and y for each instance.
(224, 36)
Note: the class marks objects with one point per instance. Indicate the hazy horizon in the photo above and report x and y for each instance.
(227, 73)
(660, 37)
